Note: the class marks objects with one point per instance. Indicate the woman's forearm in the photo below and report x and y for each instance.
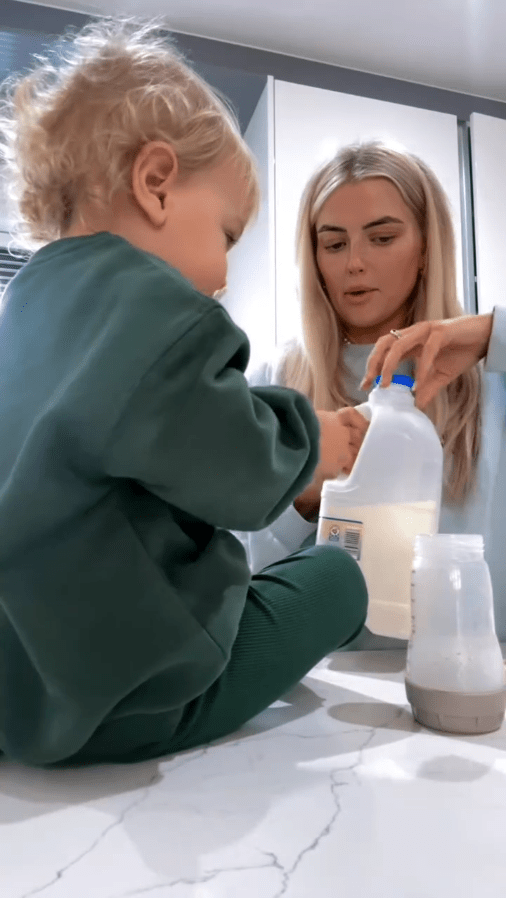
(486, 322)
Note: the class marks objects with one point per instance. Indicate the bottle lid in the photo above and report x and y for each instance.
(399, 379)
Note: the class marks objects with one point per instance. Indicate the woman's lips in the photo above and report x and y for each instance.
(358, 297)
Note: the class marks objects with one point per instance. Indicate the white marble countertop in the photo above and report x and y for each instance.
(333, 792)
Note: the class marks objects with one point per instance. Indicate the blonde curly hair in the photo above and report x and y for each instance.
(316, 368)
(70, 130)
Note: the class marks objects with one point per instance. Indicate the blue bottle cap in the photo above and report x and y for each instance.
(399, 379)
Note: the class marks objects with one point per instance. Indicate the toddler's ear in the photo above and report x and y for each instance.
(154, 172)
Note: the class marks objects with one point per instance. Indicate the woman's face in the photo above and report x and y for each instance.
(369, 253)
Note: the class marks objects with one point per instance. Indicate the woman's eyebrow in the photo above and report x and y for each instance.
(387, 219)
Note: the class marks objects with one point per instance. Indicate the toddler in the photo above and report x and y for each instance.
(130, 625)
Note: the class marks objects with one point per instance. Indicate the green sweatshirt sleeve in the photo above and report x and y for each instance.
(196, 435)
(132, 446)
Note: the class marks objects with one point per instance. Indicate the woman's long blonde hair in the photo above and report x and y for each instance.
(71, 129)
(316, 367)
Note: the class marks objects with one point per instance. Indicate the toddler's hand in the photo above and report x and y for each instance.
(341, 436)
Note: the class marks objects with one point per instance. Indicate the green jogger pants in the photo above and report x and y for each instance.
(298, 610)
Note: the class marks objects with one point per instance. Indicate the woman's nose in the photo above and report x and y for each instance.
(355, 261)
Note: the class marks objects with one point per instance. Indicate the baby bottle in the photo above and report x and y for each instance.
(392, 494)
(455, 671)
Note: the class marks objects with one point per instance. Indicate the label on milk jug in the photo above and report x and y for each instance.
(381, 539)
(344, 533)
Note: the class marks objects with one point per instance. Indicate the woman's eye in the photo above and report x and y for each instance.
(335, 247)
(231, 240)
(383, 239)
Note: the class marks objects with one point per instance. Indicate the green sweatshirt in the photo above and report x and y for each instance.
(131, 446)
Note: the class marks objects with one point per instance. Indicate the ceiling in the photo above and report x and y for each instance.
(454, 44)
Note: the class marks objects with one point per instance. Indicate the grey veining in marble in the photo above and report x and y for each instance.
(334, 791)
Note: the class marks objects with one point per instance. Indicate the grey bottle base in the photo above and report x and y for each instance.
(457, 712)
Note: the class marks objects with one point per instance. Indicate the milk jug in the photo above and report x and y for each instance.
(392, 494)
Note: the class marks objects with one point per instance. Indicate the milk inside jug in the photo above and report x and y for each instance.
(392, 494)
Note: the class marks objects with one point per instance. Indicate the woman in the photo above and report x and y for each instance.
(376, 254)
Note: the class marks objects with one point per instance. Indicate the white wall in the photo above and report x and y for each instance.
(488, 145)
(250, 282)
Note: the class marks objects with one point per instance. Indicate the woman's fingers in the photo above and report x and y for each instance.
(444, 349)
(427, 389)
(390, 350)
(425, 364)
(375, 361)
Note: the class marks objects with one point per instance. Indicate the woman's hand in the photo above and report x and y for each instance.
(341, 436)
(444, 350)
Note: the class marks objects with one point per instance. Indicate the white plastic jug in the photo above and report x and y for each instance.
(392, 494)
